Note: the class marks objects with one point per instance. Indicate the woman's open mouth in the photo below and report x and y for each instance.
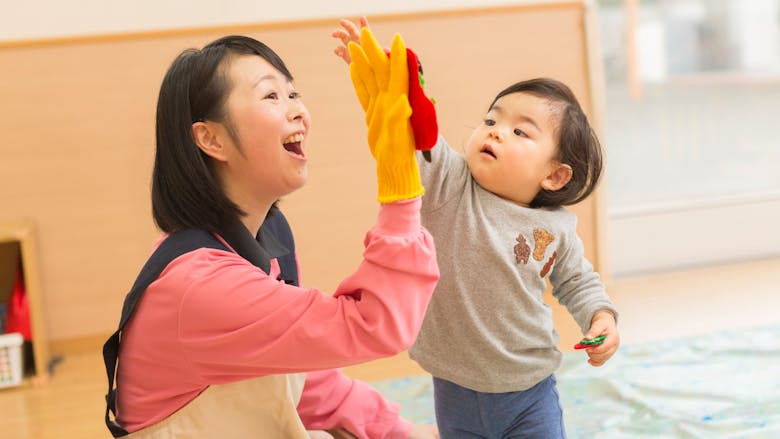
(293, 144)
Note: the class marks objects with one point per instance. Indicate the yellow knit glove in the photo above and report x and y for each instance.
(381, 84)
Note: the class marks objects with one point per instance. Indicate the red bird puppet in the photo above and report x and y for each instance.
(423, 120)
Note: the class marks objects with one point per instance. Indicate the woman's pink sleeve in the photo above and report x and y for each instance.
(237, 322)
(331, 400)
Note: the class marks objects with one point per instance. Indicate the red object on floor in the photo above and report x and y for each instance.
(18, 309)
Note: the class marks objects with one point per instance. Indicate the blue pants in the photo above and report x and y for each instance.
(464, 413)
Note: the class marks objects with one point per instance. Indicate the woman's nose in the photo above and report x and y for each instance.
(296, 110)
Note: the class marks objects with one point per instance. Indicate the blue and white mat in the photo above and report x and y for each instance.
(722, 385)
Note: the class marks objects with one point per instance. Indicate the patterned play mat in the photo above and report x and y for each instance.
(723, 385)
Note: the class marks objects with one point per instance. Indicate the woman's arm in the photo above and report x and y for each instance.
(331, 400)
(237, 322)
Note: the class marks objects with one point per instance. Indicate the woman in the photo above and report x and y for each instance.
(212, 342)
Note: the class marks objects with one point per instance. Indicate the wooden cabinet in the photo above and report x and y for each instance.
(18, 246)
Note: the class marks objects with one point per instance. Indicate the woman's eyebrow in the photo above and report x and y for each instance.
(263, 78)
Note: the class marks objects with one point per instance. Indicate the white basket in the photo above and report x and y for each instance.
(11, 359)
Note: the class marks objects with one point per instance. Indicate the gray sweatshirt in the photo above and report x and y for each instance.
(487, 327)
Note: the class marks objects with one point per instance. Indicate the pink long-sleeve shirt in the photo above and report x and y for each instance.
(213, 318)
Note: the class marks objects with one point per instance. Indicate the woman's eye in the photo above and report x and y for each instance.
(519, 132)
(490, 122)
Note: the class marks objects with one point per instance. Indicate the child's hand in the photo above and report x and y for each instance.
(349, 32)
(424, 431)
(603, 323)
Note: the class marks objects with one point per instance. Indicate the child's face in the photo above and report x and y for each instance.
(511, 153)
(268, 158)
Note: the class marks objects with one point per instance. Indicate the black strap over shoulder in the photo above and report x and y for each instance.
(276, 227)
(274, 240)
(175, 245)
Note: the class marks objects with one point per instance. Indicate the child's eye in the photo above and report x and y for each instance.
(272, 95)
(295, 95)
(490, 122)
(519, 132)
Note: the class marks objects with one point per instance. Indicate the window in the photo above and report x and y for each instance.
(693, 155)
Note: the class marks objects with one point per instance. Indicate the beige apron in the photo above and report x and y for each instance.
(262, 407)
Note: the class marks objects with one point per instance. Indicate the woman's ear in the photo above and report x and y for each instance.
(205, 136)
(557, 178)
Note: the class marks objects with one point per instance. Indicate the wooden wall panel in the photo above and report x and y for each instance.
(77, 119)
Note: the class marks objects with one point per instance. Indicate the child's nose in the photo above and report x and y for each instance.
(495, 133)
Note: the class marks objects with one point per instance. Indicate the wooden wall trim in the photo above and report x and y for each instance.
(596, 84)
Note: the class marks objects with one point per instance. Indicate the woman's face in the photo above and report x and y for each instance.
(266, 133)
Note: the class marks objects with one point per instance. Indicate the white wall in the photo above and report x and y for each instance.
(36, 19)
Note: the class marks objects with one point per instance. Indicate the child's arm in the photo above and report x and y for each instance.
(579, 288)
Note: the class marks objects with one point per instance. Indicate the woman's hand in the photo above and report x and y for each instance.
(349, 31)
(381, 85)
(424, 431)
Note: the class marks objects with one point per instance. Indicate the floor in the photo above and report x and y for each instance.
(652, 309)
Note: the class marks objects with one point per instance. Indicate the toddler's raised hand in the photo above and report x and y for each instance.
(348, 32)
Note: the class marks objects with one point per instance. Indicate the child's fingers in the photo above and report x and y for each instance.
(350, 29)
(343, 53)
(342, 35)
(596, 329)
(598, 355)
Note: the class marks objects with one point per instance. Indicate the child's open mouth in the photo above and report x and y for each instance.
(486, 150)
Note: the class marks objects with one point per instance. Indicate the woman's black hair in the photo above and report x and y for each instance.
(186, 193)
(578, 145)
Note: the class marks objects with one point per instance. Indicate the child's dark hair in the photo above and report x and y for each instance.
(578, 145)
(185, 191)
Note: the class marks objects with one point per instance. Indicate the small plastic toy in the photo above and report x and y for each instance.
(585, 343)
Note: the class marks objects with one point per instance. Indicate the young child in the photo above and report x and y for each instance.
(501, 234)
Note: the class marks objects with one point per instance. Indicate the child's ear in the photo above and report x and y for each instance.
(205, 136)
(557, 178)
